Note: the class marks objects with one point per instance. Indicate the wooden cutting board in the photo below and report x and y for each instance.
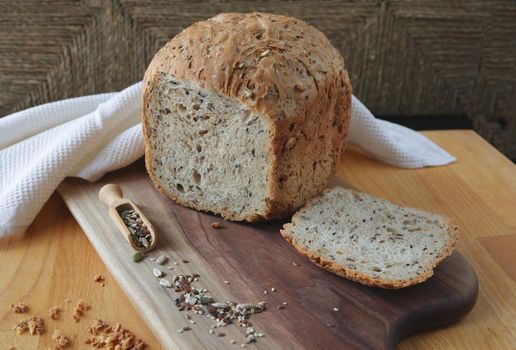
(254, 258)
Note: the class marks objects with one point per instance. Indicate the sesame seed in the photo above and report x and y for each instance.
(175, 263)
(212, 331)
(232, 341)
(273, 289)
(295, 263)
(336, 309)
(285, 303)
(226, 282)
(265, 292)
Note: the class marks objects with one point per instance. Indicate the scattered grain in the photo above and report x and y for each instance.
(165, 283)
(157, 272)
(184, 329)
(138, 256)
(161, 259)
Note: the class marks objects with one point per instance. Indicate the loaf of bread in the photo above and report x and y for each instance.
(245, 115)
(370, 240)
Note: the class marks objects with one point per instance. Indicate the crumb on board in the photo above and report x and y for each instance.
(79, 310)
(35, 325)
(216, 225)
(99, 278)
(54, 313)
(60, 340)
(19, 308)
(112, 337)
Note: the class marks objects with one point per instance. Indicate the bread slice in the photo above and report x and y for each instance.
(370, 240)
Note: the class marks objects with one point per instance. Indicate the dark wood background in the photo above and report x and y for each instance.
(422, 63)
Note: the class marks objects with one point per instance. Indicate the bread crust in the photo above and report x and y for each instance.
(364, 279)
(281, 68)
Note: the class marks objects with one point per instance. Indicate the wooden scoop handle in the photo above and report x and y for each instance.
(110, 193)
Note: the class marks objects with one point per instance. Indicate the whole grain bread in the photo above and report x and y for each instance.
(370, 240)
(245, 115)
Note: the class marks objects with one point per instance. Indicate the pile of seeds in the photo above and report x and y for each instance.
(140, 234)
(223, 313)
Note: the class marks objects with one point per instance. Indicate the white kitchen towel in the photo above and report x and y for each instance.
(89, 136)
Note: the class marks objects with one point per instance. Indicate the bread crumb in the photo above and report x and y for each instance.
(216, 225)
(99, 279)
(79, 310)
(60, 340)
(54, 312)
(35, 325)
(19, 308)
(113, 337)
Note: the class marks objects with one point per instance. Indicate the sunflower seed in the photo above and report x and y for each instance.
(161, 259)
(165, 283)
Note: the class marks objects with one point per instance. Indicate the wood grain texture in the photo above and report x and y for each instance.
(254, 258)
(54, 261)
(409, 58)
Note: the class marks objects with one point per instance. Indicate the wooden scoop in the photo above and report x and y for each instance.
(112, 196)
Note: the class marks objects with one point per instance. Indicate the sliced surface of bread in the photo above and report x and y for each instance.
(371, 240)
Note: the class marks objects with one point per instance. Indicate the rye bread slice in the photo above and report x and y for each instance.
(371, 240)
